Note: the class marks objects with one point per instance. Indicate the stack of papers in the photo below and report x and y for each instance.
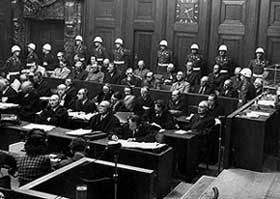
(180, 132)
(140, 145)
(79, 132)
(81, 115)
(39, 126)
(260, 113)
(7, 105)
(266, 103)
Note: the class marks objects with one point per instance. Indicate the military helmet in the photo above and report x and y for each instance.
(15, 48)
(31, 46)
(223, 48)
(260, 50)
(194, 47)
(119, 41)
(47, 47)
(98, 39)
(79, 38)
(163, 43)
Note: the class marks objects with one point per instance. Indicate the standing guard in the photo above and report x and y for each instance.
(32, 55)
(224, 61)
(99, 51)
(13, 63)
(120, 56)
(259, 64)
(197, 60)
(47, 59)
(164, 57)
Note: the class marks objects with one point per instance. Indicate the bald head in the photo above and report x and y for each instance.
(237, 71)
(103, 107)
(26, 86)
(203, 107)
(54, 101)
(61, 89)
(204, 80)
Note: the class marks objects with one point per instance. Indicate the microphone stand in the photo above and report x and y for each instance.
(115, 175)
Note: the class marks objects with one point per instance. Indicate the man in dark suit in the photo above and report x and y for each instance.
(215, 110)
(176, 104)
(54, 113)
(112, 76)
(204, 87)
(216, 79)
(83, 103)
(191, 76)
(104, 120)
(40, 85)
(228, 90)
(131, 79)
(6, 90)
(28, 101)
(67, 93)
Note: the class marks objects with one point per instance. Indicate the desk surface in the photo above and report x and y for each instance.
(172, 133)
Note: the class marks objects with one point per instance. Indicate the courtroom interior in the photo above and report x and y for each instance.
(139, 99)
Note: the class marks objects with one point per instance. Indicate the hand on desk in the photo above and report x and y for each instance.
(131, 139)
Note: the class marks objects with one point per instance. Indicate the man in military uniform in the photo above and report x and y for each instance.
(13, 63)
(32, 55)
(99, 51)
(258, 64)
(80, 49)
(47, 59)
(224, 61)
(197, 60)
(164, 57)
(247, 91)
(120, 56)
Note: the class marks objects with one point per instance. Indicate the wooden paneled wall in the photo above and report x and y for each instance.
(242, 25)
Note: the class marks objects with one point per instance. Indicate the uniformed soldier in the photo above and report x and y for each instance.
(247, 91)
(224, 61)
(80, 49)
(197, 60)
(259, 64)
(99, 51)
(32, 55)
(13, 63)
(47, 59)
(120, 56)
(164, 57)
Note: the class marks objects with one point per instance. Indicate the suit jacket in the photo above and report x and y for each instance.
(208, 90)
(230, 93)
(179, 105)
(216, 82)
(135, 81)
(70, 97)
(193, 79)
(80, 75)
(112, 79)
(107, 124)
(10, 93)
(247, 92)
(202, 125)
(216, 111)
(165, 120)
(87, 107)
(29, 105)
(42, 88)
(61, 73)
(183, 87)
(59, 116)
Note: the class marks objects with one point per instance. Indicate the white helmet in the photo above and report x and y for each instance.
(47, 47)
(98, 39)
(194, 47)
(15, 48)
(260, 50)
(246, 72)
(163, 43)
(79, 38)
(59, 54)
(32, 46)
(223, 48)
(119, 41)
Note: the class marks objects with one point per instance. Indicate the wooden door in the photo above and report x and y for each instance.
(5, 30)
(187, 22)
(144, 29)
(269, 29)
(234, 23)
(47, 31)
(104, 18)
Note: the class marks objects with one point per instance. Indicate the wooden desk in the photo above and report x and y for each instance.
(160, 162)
(249, 139)
(185, 152)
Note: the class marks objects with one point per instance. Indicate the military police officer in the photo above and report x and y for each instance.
(32, 55)
(224, 61)
(120, 56)
(259, 64)
(247, 90)
(197, 60)
(164, 57)
(99, 51)
(47, 60)
(80, 49)
(13, 63)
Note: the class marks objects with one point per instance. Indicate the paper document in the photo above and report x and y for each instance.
(81, 115)
(17, 147)
(180, 132)
(39, 126)
(7, 105)
(260, 113)
(266, 103)
(79, 132)
(140, 145)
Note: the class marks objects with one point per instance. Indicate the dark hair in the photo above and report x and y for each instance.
(78, 145)
(214, 96)
(36, 143)
(118, 95)
(135, 118)
(86, 91)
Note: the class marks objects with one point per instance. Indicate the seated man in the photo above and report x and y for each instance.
(258, 83)
(104, 94)
(141, 71)
(54, 113)
(34, 67)
(228, 90)
(94, 75)
(150, 81)
(180, 84)
(127, 90)
(104, 121)
(170, 76)
(131, 79)
(62, 71)
(216, 79)
(131, 104)
(191, 76)
(204, 87)
(40, 85)
(117, 102)
(83, 103)
(215, 110)
(78, 71)
(236, 79)
(112, 75)
(28, 101)
(6, 90)
(176, 104)
(145, 100)
(136, 130)
(202, 123)
(67, 94)
(161, 118)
